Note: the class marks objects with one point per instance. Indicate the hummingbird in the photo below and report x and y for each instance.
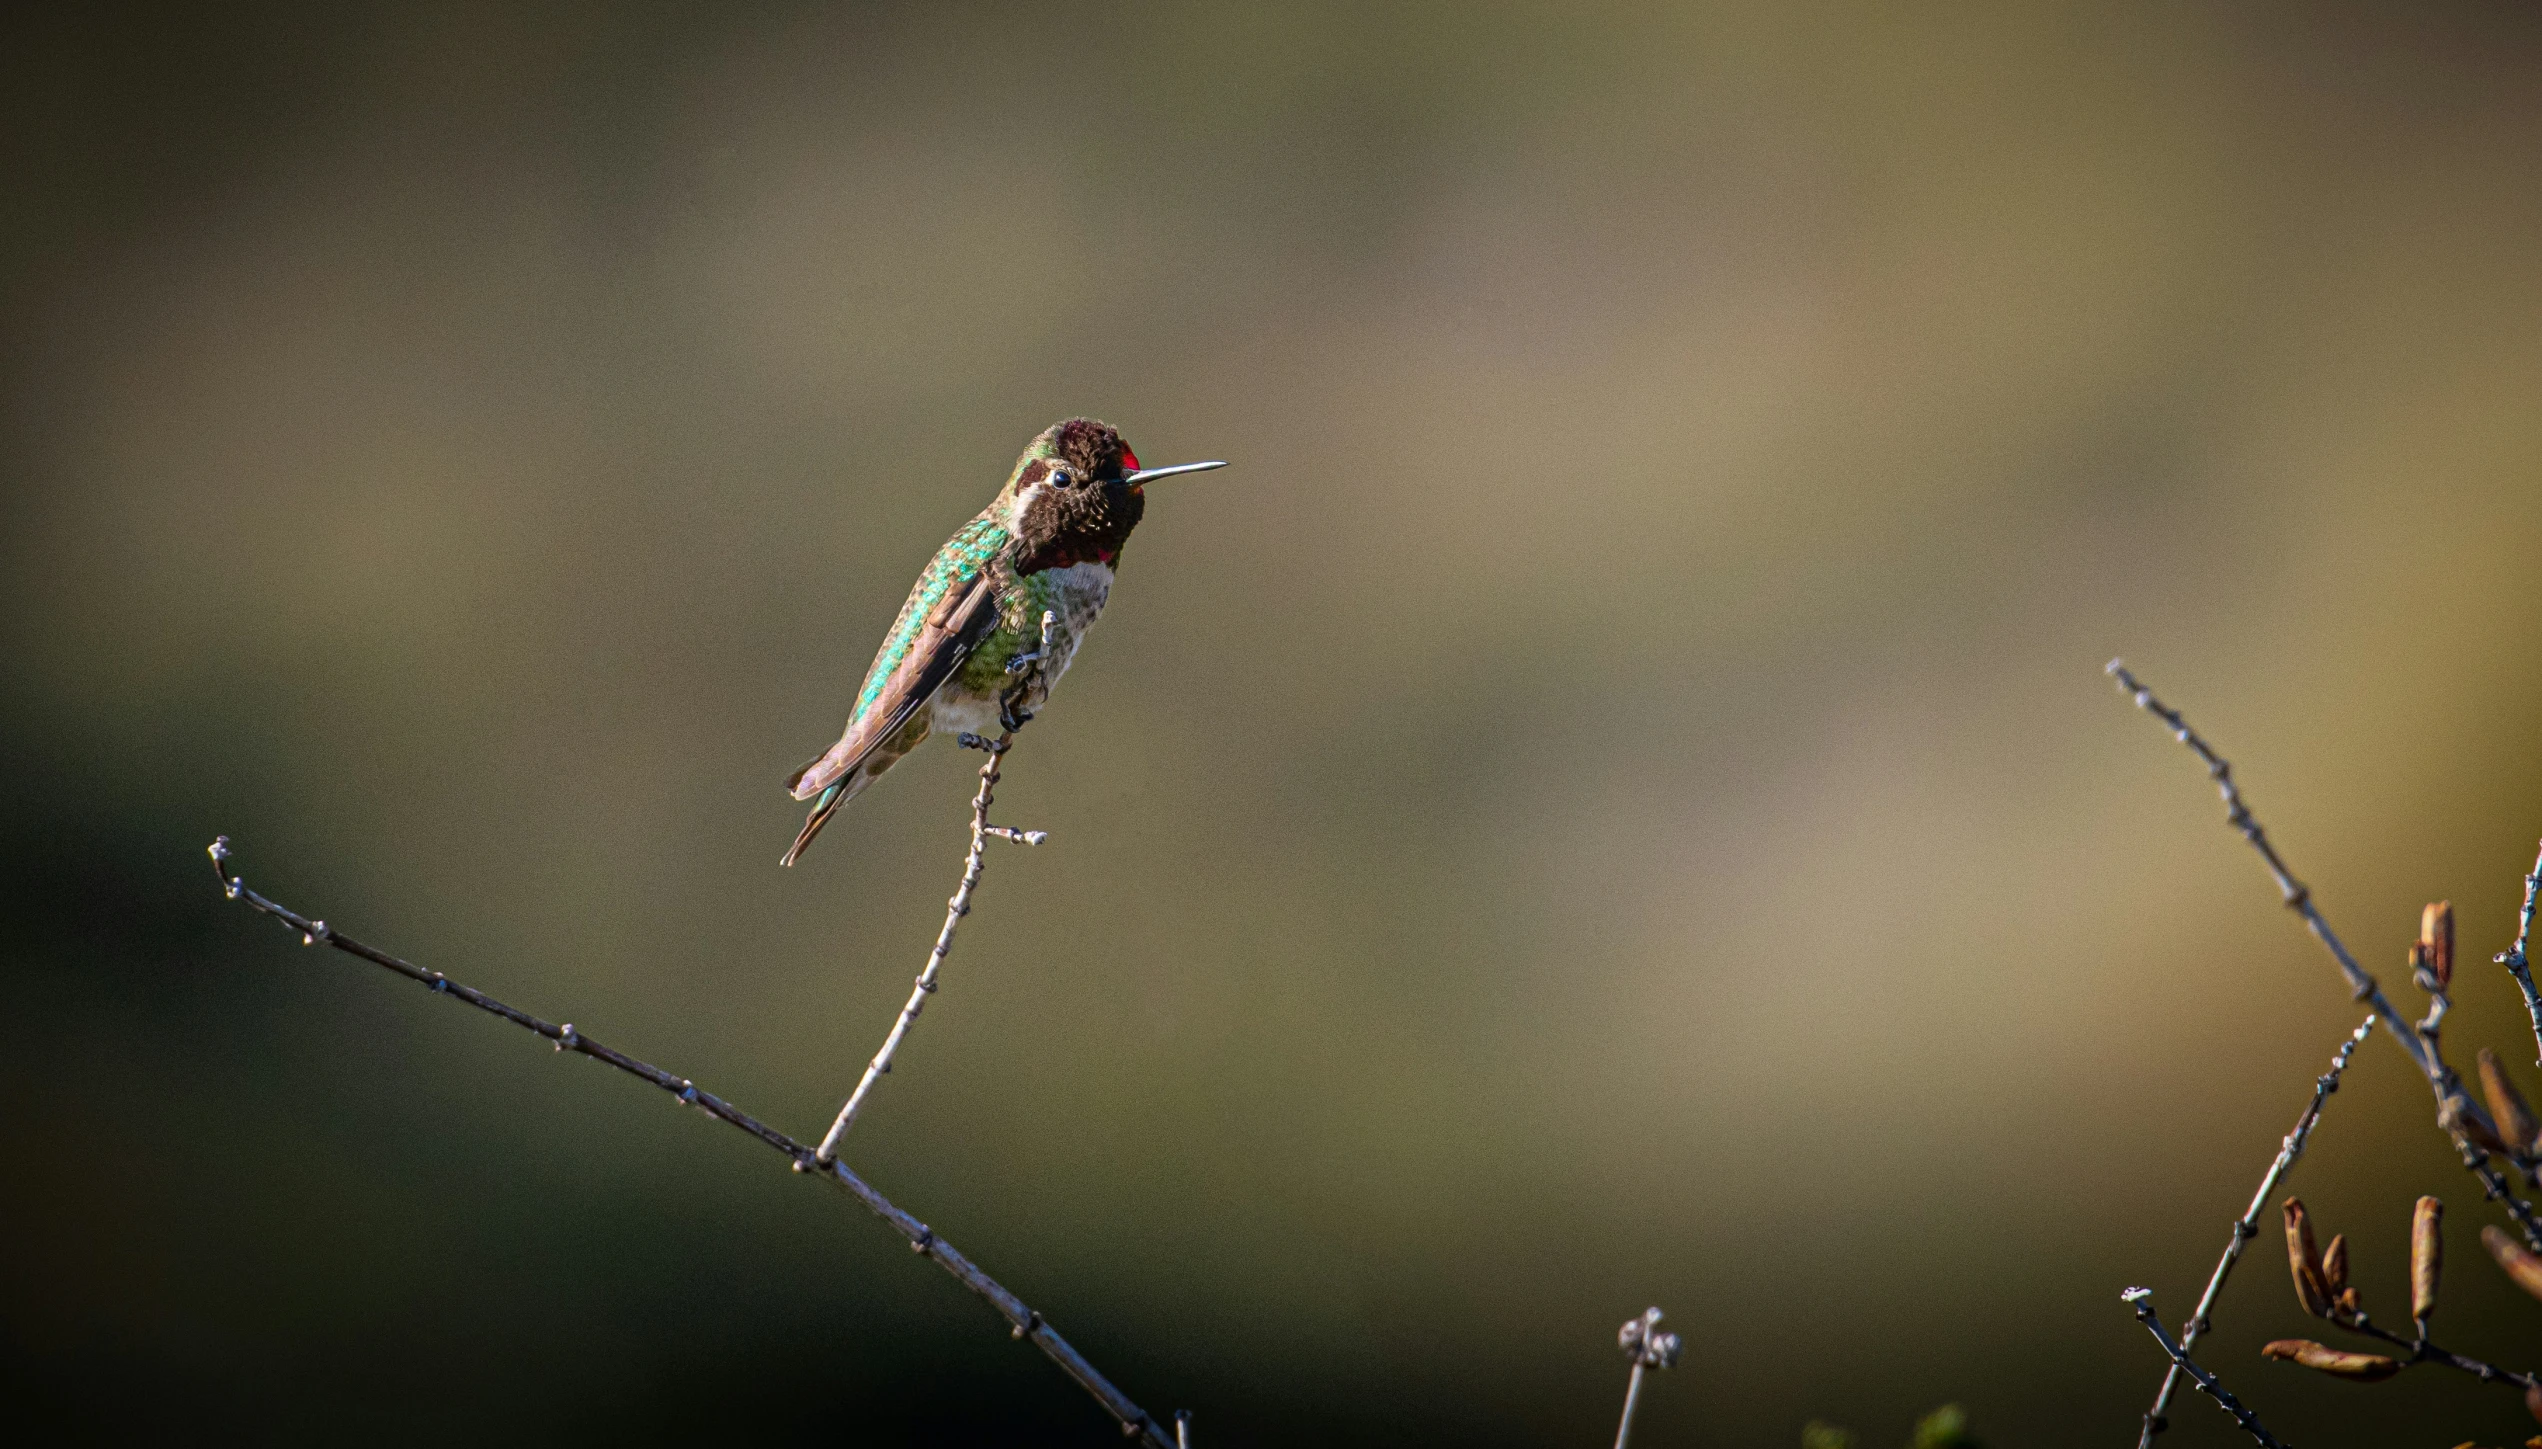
(969, 650)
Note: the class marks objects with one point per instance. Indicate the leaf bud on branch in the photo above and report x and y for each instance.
(2432, 956)
(2516, 1124)
(2312, 1287)
(2514, 1259)
(2427, 1259)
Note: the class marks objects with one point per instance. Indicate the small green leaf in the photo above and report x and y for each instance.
(1819, 1434)
(1944, 1428)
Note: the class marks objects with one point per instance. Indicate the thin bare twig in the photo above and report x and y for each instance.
(954, 910)
(2246, 1227)
(2417, 1039)
(2424, 1351)
(2297, 895)
(2493, 1185)
(2141, 1299)
(1024, 1322)
(2513, 958)
(1649, 1348)
(960, 903)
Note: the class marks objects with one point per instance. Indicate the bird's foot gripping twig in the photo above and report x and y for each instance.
(1011, 714)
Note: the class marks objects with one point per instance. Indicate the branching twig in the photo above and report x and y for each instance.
(2514, 959)
(2141, 1299)
(2493, 1185)
(954, 910)
(2297, 895)
(960, 904)
(2424, 1351)
(2421, 1045)
(1649, 1348)
(1025, 1322)
(2246, 1227)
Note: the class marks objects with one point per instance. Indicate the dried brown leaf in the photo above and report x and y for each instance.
(2334, 1265)
(2364, 1368)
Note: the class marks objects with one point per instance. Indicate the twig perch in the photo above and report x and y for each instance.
(960, 904)
(1024, 1322)
(954, 910)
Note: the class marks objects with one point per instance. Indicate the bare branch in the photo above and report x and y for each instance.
(1024, 1322)
(2297, 895)
(2513, 958)
(954, 910)
(2459, 1116)
(2141, 1299)
(2424, 1351)
(960, 904)
(2246, 1227)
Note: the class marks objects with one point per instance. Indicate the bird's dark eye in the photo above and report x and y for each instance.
(1062, 478)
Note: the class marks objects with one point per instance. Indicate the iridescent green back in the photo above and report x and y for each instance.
(960, 560)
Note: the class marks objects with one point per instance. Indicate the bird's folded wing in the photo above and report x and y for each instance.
(930, 647)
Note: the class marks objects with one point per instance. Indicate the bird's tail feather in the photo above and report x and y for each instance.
(831, 799)
(864, 769)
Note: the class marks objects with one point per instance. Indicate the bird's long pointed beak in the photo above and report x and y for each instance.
(1150, 475)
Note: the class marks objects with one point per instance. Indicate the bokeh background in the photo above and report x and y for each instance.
(1612, 800)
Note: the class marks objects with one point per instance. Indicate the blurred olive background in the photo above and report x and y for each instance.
(1611, 800)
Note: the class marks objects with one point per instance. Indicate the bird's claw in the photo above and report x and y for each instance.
(1024, 661)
